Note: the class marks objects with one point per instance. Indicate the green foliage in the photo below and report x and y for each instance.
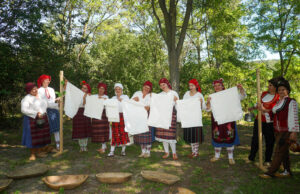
(275, 24)
(61, 190)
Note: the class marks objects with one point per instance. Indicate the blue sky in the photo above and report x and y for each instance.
(270, 56)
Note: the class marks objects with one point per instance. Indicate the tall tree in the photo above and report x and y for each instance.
(78, 21)
(174, 38)
(276, 25)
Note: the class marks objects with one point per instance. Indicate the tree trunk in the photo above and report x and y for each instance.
(174, 69)
(169, 35)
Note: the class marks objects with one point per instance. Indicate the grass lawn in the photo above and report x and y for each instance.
(198, 175)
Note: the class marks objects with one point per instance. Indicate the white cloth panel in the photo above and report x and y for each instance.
(190, 112)
(73, 100)
(161, 108)
(226, 106)
(135, 117)
(94, 107)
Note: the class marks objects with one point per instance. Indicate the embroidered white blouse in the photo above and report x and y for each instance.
(31, 105)
(51, 96)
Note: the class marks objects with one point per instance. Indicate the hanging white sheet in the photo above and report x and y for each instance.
(73, 100)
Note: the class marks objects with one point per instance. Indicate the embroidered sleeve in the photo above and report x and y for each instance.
(293, 120)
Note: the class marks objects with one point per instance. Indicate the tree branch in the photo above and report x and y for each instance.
(289, 61)
(158, 21)
(189, 8)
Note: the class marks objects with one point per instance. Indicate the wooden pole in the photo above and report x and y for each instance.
(61, 90)
(260, 154)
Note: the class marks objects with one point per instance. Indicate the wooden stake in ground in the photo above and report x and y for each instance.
(61, 90)
(259, 122)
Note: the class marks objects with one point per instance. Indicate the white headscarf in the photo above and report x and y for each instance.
(118, 85)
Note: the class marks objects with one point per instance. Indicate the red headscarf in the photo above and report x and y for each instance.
(220, 81)
(42, 78)
(164, 80)
(29, 86)
(148, 83)
(87, 85)
(104, 86)
(195, 82)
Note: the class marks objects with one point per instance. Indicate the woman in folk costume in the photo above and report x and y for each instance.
(168, 136)
(82, 128)
(194, 135)
(47, 93)
(100, 128)
(286, 125)
(36, 132)
(145, 139)
(119, 136)
(268, 101)
(224, 135)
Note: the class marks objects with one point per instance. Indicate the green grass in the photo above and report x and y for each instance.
(198, 175)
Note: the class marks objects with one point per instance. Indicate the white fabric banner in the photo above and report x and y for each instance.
(161, 108)
(190, 113)
(112, 110)
(73, 100)
(135, 117)
(94, 107)
(226, 106)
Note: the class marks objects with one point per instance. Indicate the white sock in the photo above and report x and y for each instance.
(56, 137)
(81, 142)
(148, 149)
(85, 142)
(230, 152)
(112, 148)
(123, 148)
(195, 148)
(192, 146)
(217, 152)
(166, 147)
(173, 147)
(103, 146)
(143, 149)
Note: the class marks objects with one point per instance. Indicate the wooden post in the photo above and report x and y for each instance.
(260, 154)
(61, 90)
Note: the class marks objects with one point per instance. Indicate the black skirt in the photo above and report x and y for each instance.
(193, 135)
